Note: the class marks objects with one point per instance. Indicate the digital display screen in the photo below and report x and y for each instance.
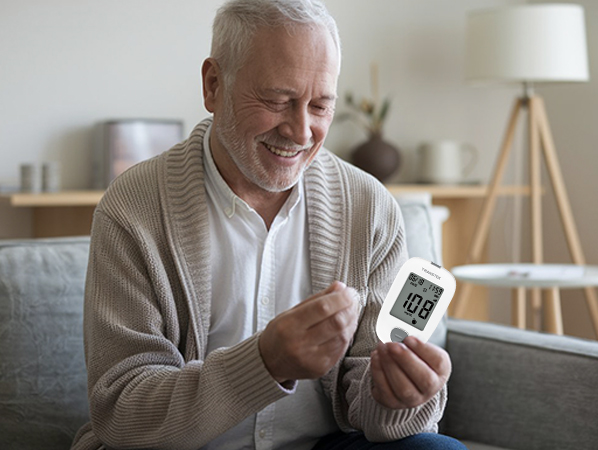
(416, 301)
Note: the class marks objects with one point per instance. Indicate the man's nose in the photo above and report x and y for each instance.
(297, 126)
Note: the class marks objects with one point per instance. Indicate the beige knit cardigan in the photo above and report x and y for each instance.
(147, 307)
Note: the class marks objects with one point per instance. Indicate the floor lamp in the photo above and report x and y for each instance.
(528, 44)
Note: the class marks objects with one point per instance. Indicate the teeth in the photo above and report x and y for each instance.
(280, 152)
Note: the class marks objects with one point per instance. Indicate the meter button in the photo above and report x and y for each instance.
(397, 335)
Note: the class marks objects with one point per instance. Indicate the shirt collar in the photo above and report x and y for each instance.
(226, 199)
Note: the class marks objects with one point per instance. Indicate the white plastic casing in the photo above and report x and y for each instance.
(391, 329)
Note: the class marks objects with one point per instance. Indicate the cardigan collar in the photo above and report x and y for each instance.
(182, 187)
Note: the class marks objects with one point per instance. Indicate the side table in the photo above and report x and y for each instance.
(548, 277)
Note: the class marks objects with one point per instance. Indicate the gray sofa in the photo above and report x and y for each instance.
(509, 389)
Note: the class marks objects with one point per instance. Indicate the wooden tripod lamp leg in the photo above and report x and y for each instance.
(481, 233)
(518, 318)
(564, 206)
(535, 160)
(535, 180)
(554, 317)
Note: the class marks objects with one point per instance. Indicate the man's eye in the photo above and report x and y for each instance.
(277, 104)
(322, 109)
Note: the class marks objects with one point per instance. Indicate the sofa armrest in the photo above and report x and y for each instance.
(521, 389)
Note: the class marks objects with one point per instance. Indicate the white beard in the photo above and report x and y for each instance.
(245, 156)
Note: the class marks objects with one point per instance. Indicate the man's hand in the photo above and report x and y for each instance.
(408, 374)
(306, 341)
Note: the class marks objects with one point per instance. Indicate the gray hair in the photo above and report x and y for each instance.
(237, 21)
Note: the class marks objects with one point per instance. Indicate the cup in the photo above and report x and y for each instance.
(30, 178)
(446, 162)
(51, 176)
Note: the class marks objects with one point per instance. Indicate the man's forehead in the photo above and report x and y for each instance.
(280, 43)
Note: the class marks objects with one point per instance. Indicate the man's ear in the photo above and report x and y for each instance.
(212, 83)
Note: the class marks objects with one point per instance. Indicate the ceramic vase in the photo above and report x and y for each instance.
(377, 157)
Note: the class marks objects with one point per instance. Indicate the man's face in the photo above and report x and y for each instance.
(272, 121)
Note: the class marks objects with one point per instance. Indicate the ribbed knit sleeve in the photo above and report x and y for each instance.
(362, 243)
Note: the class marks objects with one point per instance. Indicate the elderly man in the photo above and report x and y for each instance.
(234, 281)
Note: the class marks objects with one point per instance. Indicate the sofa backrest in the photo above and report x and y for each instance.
(423, 225)
(521, 389)
(43, 381)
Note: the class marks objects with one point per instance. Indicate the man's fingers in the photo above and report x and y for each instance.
(419, 374)
(317, 309)
(411, 379)
(381, 390)
(408, 374)
(342, 324)
(335, 286)
(435, 357)
(307, 340)
(397, 364)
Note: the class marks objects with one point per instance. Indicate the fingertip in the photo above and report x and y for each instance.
(412, 342)
(334, 287)
(354, 295)
(396, 348)
(374, 357)
(337, 286)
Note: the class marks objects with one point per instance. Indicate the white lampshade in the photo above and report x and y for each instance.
(527, 43)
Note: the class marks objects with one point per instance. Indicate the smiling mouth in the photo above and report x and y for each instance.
(280, 152)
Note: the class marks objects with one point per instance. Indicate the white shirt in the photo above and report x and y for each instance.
(257, 274)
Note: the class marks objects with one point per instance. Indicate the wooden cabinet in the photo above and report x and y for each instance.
(67, 213)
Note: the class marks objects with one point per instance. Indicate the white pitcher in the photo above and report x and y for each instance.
(446, 162)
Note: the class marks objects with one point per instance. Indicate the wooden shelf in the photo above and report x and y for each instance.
(53, 199)
(91, 198)
(455, 191)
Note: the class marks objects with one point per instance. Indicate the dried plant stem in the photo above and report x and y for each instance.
(374, 81)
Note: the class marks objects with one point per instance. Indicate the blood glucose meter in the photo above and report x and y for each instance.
(416, 301)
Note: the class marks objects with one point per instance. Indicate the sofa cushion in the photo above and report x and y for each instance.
(520, 389)
(43, 382)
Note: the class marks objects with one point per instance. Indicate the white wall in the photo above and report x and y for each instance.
(69, 64)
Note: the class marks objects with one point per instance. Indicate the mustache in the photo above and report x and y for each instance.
(276, 140)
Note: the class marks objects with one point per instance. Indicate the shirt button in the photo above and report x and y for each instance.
(262, 434)
(265, 300)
